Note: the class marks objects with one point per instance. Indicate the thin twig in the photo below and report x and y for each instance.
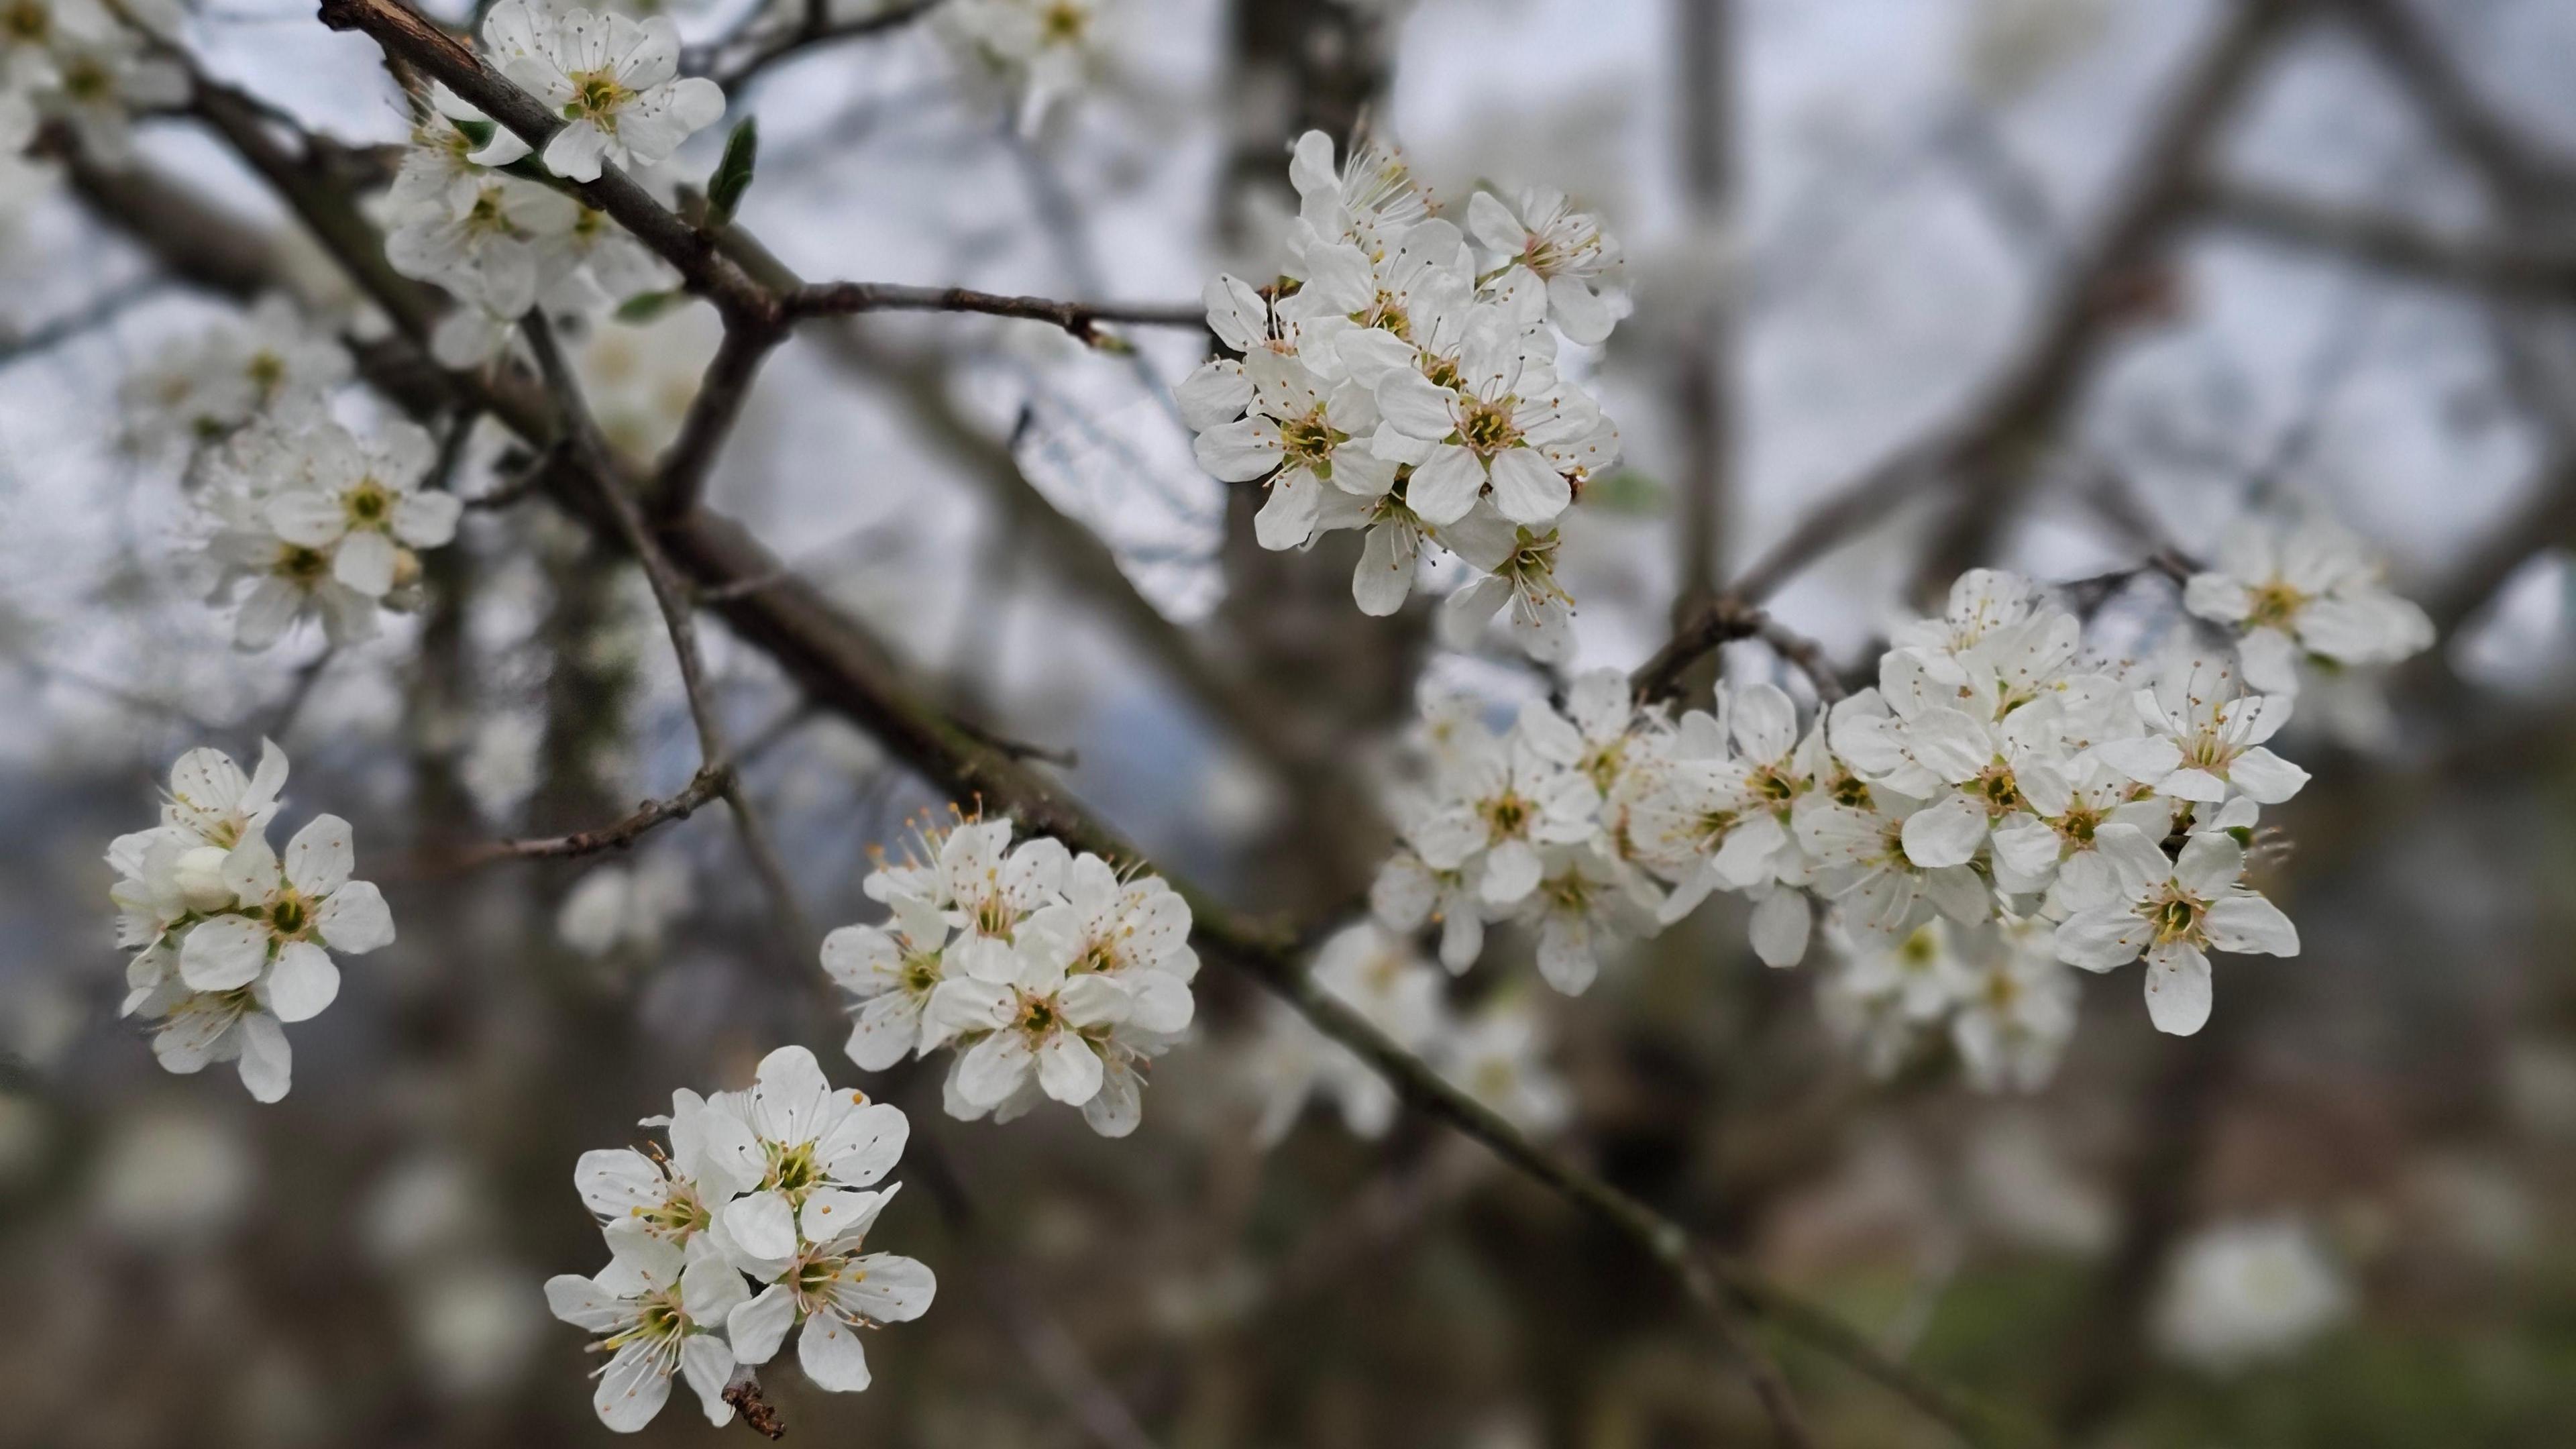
(813, 34)
(706, 785)
(1724, 620)
(679, 617)
(1081, 319)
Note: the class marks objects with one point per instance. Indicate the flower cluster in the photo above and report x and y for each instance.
(2307, 591)
(1405, 381)
(774, 1185)
(312, 521)
(86, 64)
(1035, 51)
(1996, 990)
(2032, 800)
(266, 366)
(1496, 1053)
(463, 214)
(1049, 973)
(230, 942)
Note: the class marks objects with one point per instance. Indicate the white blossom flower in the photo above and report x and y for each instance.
(1519, 564)
(658, 1309)
(1504, 802)
(268, 364)
(2174, 911)
(673, 1196)
(1406, 895)
(892, 971)
(2243, 1292)
(772, 1182)
(1585, 900)
(990, 887)
(2017, 1010)
(806, 1140)
(1507, 430)
(1371, 200)
(1862, 865)
(615, 81)
(1378, 976)
(1552, 257)
(363, 503)
(1039, 1031)
(829, 1290)
(2204, 738)
(616, 906)
(1042, 51)
(272, 942)
(1499, 1057)
(1302, 438)
(227, 946)
(495, 241)
(2307, 589)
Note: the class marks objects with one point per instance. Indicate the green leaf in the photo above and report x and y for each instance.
(478, 132)
(643, 307)
(1627, 491)
(733, 174)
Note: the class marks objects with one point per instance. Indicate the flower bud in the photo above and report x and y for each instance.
(201, 878)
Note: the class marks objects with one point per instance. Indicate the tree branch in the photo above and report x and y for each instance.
(2388, 243)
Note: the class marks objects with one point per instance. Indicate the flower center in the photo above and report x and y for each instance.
(1507, 814)
(368, 504)
(596, 97)
(301, 565)
(1488, 428)
(2275, 605)
(792, 1169)
(2178, 918)
(1309, 440)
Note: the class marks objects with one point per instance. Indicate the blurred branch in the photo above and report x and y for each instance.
(2502, 153)
(1991, 457)
(814, 30)
(1702, 368)
(1986, 456)
(2386, 242)
(17, 347)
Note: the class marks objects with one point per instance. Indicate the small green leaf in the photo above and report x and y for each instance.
(643, 307)
(1627, 491)
(478, 132)
(733, 174)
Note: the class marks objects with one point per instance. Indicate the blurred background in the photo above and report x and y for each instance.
(2126, 270)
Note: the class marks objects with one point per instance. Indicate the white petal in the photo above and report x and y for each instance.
(2250, 925)
(759, 1326)
(763, 1224)
(831, 1355)
(303, 983)
(2178, 989)
(223, 954)
(355, 919)
(1948, 833)
(1068, 1069)
(319, 858)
